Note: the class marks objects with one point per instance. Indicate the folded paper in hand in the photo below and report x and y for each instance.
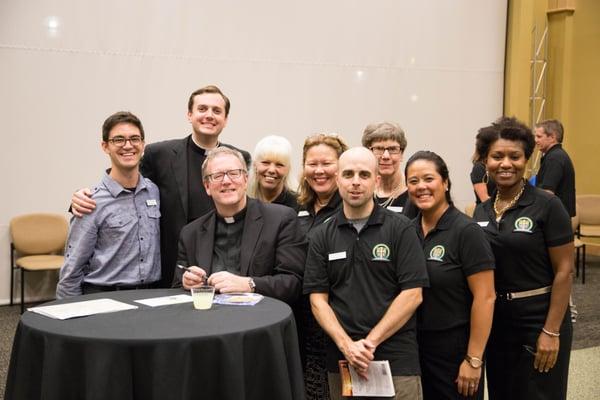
(378, 383)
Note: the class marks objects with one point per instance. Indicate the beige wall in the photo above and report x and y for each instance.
(290, 68)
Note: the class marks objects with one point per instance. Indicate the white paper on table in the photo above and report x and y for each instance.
(82, 308)
(378, 384)
(166, 300)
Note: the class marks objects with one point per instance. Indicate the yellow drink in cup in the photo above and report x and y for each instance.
(203, 297)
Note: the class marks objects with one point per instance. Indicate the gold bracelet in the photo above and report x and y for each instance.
(547, 332)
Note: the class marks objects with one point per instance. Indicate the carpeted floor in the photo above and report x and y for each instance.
(586, 329)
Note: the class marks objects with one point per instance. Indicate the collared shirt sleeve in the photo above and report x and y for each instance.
(80, 246)
(315, 273)
(552, 174)
(411, 270)
(475, 250)
(557, 224)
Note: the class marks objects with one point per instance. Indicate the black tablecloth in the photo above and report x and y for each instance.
(167, 352)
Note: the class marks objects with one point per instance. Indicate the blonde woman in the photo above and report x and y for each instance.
(270, 179)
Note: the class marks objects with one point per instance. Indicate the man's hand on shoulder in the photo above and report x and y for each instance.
(82, 203)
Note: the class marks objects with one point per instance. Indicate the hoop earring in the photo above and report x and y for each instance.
(486, 177)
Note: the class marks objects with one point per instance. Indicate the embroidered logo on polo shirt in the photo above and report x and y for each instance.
(437, 253)
(523, 224)
(381, 252)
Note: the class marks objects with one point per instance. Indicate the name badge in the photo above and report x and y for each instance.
(151, 202)
(483, 223)
(337, 256)
(303, 213)
(395, 209)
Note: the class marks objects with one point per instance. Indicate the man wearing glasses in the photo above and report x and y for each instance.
(244, 245)
(117, 246)
(175, 167)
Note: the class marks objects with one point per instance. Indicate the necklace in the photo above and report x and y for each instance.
(392, 196)
(510, 203)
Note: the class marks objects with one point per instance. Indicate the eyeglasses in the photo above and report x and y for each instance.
(120, 141)
(233, 174)
(379, 150)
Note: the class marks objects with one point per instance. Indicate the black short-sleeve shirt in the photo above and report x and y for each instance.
(478, 176)
(400, 204)
(455, 249)
(363, 273)
(520, 241)
(558, 175)
(308, 219)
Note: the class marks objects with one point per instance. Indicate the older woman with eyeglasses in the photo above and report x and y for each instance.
(531, 237)
(387, 141)
(318, 199)
(270, 179)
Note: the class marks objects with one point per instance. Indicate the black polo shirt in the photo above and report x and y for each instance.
(478, 176)
(455, 249)
(521, 240)
(363, 273)
(558, 175)
(400, 204)
(287, 198)
(308, 220)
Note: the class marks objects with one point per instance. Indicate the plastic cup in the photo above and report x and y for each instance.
(203, 297)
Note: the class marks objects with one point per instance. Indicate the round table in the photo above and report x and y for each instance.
(166, 352)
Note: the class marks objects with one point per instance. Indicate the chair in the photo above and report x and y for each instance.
(470, 209)
(589, 215)
(579, 246)
(36, 238)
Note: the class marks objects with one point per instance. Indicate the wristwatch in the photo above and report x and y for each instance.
(474, 361)
(252, 285)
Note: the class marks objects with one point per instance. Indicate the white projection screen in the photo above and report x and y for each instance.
(290, 68)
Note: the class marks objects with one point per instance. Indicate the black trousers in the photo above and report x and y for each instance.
(518, 323)
(441, 354)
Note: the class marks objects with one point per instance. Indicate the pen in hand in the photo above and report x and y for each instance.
(194, 272)
(184, 268)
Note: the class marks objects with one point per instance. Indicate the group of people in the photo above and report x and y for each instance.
(376, 261)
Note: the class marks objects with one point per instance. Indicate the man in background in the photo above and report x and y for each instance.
(556, 174)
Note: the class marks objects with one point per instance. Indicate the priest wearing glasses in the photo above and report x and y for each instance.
(244, 245)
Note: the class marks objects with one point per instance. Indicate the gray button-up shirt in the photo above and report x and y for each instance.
(118, 243)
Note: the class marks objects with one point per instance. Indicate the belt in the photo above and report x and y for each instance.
(526, 293)
(117, 287)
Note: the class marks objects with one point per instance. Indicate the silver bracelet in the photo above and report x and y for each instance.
(547, 332)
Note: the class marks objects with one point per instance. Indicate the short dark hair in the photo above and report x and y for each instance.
(508, 128)
(121, 117)
(209, 89)
(552, 127)
(440, 167)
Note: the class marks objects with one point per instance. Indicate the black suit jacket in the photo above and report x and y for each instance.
(272, 250)
(166, 164)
